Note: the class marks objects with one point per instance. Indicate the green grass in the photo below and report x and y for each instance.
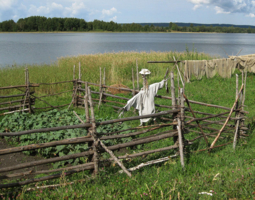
(118, 68)
(235, 169)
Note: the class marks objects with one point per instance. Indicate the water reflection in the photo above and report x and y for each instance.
(40, 48)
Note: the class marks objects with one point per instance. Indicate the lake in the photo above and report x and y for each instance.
(38, 48)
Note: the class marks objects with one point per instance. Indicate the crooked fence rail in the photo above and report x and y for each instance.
(178, 121)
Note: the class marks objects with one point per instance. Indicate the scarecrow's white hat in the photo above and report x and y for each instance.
(145, 72)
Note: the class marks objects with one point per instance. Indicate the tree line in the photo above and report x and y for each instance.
(44, 24)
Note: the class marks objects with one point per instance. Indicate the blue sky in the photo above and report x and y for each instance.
(241, 12)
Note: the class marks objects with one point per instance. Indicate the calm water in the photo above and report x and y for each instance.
(37, 48)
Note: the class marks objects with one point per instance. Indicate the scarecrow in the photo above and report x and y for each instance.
(144, 100)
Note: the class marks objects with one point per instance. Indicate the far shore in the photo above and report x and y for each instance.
(105, 32)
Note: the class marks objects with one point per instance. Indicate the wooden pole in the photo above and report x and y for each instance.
(173, 103)
(231, 111)
(179, 128)
(74, 72)
(237, 115)
(178, 81)
(173, 91)
(178, 71)
(243, 100)
(86, 103)
(79, 84)
(74, 88)
(137, 76)
(92, 132)
(133, 80)
(100, 90)
(182, 108)
(79, 70)
(28, 93)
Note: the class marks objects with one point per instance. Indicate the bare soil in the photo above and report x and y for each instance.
(13, 159)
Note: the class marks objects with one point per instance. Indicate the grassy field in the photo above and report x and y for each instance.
(225, 173)
(118, 68)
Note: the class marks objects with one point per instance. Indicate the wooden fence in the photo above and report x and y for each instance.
(179, 120)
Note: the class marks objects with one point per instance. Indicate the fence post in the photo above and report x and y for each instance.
(100, 90)
(237, 114)
(86, 103)
(137, 76)
(243, 100)
(28, 92)
(133, 80)
(74, 87)
(92, 132)
(173, 103)
(79, 85)
(180, 128)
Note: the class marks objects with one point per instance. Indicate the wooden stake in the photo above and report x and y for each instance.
(173, 103)
(173, 91)
(104, 81)
(182, 108)
(178, 89)
(79, 70)
(179, 128)
(231, 111)
(237, 115)
(86, 103)
(137, 76)
(79, 84)
(236, 134)
(243, 99)
(178, 71)
(100, 90)
(74, 72)
(133, 80)
(92, 132)
(28, 93)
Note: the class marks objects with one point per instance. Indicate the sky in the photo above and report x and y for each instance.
(238, 12)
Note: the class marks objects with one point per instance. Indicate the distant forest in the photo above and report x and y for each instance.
(44, 24)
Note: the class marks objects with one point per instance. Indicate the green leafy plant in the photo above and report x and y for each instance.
(54, 118)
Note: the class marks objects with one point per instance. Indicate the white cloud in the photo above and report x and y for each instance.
(219, 10)
(196, 6)
(251, 15)
(7, 4)
(109, 12)
(56, 5)
(227, 6)
(200, 1)
(114, 18)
